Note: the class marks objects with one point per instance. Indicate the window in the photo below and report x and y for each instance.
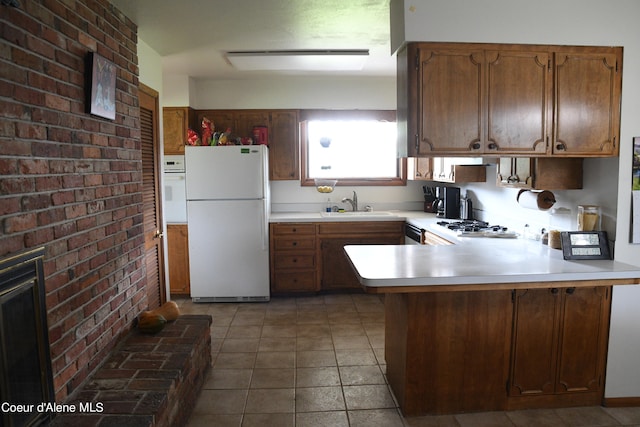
(354, 147)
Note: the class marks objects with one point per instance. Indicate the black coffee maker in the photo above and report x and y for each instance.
(430, 200)
(448, 202)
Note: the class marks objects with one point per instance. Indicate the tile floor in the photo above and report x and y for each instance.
(319, 361)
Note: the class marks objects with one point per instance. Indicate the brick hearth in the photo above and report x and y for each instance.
(148, 380)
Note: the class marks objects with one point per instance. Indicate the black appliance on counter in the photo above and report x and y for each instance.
(448, 202)
(430, 200)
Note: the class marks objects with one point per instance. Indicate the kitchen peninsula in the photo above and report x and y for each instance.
(491, 324)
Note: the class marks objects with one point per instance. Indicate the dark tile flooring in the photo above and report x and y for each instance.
(319, 361)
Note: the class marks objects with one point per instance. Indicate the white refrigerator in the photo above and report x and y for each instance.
(228, 210)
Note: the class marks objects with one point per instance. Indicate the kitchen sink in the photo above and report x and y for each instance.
(356, 214)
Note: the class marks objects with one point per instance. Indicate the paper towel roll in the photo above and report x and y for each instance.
(540, 200)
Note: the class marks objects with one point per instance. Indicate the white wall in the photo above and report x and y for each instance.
(176, 91)
(312, 93)
(571, 22)
(150, 64)
(298, 92)
(499, 205)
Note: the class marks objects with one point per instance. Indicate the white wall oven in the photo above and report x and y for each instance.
(175, 197)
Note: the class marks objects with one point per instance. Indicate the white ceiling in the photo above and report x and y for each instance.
(192, 36)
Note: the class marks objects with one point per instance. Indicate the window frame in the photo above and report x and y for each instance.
(380, 115)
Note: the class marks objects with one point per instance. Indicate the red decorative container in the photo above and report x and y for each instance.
(261, 135)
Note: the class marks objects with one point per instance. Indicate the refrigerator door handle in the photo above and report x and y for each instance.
(265, 226)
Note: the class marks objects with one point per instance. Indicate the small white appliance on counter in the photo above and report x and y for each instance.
(175, 198)
(228, 209)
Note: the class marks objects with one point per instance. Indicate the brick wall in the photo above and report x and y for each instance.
(70, 181)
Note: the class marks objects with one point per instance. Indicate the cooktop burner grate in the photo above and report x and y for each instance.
(471, 225)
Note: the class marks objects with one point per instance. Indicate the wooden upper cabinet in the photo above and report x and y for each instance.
(420, 168)
(221, 119)
(282, 128)
(176, 122)
(518, 94)
(284, 148)
(515, 172)
(245, 121)
(587, 102)
(464, 99)
(540, 173)
(449, 90)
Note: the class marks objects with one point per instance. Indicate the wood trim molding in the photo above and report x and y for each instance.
(381, 115)
(149, 91)
(620, 402)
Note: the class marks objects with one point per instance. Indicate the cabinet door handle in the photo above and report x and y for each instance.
(493, 146)
(571, 290)
(476, 146)
(513, 178)
(554, 291)
(561, 146)
(294, 244)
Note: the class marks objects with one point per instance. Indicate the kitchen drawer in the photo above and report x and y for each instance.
(354, 227)
(293, 228)
(290, 243)
(295, 281)
(294, 260)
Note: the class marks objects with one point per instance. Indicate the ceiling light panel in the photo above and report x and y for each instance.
(298, 60)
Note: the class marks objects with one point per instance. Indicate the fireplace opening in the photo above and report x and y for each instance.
(26, 379)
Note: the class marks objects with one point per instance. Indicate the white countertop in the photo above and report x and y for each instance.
(395, 215)
(484, 261)
(476, 261)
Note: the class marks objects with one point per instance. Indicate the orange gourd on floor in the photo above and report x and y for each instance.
(153, 321)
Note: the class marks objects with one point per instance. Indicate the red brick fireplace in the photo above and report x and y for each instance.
(25, 363)
(71, 182)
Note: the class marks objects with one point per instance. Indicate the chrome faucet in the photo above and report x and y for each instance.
(353, 201)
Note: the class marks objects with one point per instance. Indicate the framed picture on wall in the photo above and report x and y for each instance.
(636, 164)
(635, 192)
(101, 87)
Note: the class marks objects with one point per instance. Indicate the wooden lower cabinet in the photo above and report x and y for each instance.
(310, 257)
(293, 257)
(178, 257)
(336, 272)
(496, 350)
(559, 346)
